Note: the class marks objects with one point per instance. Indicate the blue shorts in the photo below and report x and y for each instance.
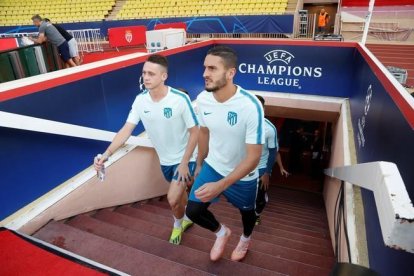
(170, 171)
(241, 194)
(63, 50)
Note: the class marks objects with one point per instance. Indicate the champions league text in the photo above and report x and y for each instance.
(280, 75)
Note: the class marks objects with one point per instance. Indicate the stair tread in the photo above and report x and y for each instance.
(205, 240)
(167, 219)
(162, 248)
(110, 253)
(317, 241)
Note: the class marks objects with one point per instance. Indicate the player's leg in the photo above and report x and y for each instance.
(174, 196)
(242, 195)
(198, 212)
(177, 198)
(187, 223)
(261, 201)
(73, 50)
(65, 55)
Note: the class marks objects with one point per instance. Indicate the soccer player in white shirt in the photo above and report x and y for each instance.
(229, 148)
(172, 125)
(270, 152)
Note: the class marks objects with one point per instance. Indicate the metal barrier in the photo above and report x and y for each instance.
(89, 40)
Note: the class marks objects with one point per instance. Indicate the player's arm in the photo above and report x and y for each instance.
(40, 39)
(183, 171)
(269, 167)
(283, 172)
(120, 138)
(210, 190)
(203, 140)
(246, 166)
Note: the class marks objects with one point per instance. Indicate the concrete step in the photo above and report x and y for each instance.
(110, 253)
(257, 235)
(202, 239)
(162, 248)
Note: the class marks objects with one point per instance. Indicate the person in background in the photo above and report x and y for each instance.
(73, 44)
(270, 152)
(229, 147)
(298, 142)
(172, 126)
(316, 150)
(49, 32)
(323, 20)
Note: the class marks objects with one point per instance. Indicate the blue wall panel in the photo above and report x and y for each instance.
(387, 137)
(33, 163)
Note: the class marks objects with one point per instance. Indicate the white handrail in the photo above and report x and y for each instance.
(394, 207)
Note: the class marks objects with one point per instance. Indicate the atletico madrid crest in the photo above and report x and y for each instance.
(232, 118)
(168, 112)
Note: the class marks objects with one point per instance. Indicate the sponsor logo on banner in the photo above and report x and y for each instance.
(128, 36)
(167, 112)
(362, 121)
(279, 69)
(232, 118)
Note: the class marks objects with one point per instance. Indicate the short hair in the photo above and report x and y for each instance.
(46, 19)
(261, 99)
(227, 54)
(36, 17)
(159, 59)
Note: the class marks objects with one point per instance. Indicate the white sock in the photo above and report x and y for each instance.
(186, 218)
(244, 239)
(221, 232)
(177, 222)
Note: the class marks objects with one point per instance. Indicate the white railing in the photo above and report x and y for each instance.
(394, 207)
(89, 40)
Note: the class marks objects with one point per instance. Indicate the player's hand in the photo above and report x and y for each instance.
(183, 173)
(284, 172)
(98, 163)
(208, 191)
(265, 181)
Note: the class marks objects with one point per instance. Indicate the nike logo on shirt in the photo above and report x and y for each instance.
(207, 113)
(146, 111)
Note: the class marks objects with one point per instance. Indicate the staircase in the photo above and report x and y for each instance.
(293, 238)
(401, 56)
(118, 6)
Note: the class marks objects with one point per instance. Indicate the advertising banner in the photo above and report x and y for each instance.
(127, 36)
(295, 69)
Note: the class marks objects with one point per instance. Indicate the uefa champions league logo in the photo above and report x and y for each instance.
(280, 70)
(279, 55)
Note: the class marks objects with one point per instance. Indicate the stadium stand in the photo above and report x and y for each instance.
(184, 8)
(15, 13)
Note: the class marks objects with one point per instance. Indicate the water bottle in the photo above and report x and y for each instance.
(101, 173)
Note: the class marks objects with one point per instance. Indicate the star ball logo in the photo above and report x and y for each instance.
(280, 70)
(128, 36)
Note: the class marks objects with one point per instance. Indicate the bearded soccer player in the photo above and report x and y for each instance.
(229, 148)
(172, 125)
(270, 153)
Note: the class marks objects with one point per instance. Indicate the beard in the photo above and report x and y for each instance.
(217, 85)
